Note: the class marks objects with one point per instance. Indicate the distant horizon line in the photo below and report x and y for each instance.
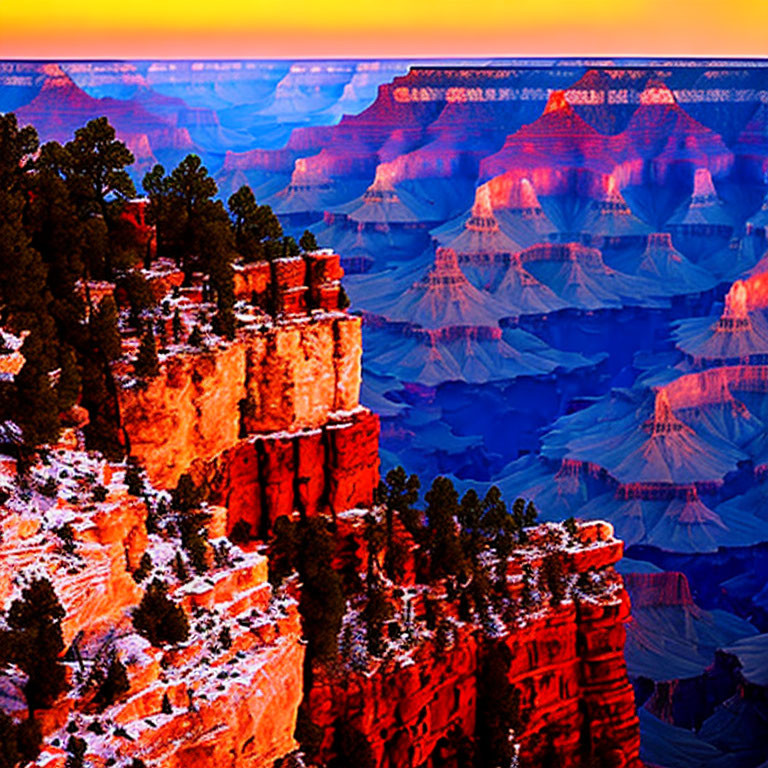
(648, 60)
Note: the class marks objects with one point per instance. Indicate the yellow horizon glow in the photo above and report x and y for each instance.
(385, 28)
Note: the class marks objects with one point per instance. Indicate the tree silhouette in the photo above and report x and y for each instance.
(446, 555)
(255, 226)
(158, 618)
(308, 242)
(146, 365)
(36, 642)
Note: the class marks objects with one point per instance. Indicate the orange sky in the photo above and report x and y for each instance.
(363, 28)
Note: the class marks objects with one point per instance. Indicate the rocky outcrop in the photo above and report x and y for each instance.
(326, 470)
(418, 708)
(226, 695)
(292, 374)
(93, 580)
(189, 411)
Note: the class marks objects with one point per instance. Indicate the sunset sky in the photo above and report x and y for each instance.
(368, 28)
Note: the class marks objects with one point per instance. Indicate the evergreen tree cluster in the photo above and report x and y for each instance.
(62, 226)
(463, 543)
(355, 609)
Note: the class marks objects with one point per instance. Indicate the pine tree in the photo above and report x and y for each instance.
(115, 683)
(36, 642)
(289, 247)
(144, 569)
(193, 540)
(192, 226)
(17, 146)
(180, 568)
(307, 242)
(105, 333)
(133, 479)
(36, 399)
(136, 289)
(94, 166)
(470, 515)
(24, 296)
(526, 596)
(196, 337)
(158, 618)
(446, 556)
(552, 577)
(398, 493)
(59, 236)
(76, 749)
(186, 495)
(531, 514)
(146, 365)
(256, 228)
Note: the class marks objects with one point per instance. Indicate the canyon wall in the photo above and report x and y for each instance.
(291, 375)
(419, 707)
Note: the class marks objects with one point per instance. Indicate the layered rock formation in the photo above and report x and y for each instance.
(293, 375)
(206, 700)
(567, 666)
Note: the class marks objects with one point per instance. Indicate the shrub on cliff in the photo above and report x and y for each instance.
(158, 618)
(36, 642)
(76, 749)
(191, 527)
(196, 337)
(552, 577)
(133, 480)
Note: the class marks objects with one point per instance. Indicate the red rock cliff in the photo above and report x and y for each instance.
(567, 663)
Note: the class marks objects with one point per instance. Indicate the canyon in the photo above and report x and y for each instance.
(557, 280)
